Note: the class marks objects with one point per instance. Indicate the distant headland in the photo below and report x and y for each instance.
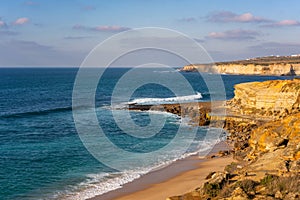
(268, 65)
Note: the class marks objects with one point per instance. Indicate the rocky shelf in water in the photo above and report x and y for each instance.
(198, 113)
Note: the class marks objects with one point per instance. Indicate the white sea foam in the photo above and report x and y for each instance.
(143, 101)
(98, 184)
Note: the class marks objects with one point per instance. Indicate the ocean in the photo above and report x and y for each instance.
(42, 155)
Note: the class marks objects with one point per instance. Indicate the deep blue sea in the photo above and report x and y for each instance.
(41, 153)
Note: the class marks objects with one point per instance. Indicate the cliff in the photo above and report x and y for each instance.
(259, 66)
(264, 127)
(281, 138)
(275, 98)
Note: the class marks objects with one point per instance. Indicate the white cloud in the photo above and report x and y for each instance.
(282, 23)
(2, 23)
(238, 34)
(21, 21)
(226, 16)
(113, 28)
(110, 28)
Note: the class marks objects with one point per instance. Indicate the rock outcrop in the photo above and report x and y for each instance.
(280, 137)
(198, 113)
(275, 98)
(264, 126)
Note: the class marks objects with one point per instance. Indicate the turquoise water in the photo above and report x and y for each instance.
(41, 154)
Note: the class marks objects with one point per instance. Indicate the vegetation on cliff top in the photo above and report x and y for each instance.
(267, 60)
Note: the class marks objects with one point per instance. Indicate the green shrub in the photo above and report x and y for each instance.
(231, 167)
(226, 191)
(247, 185)
(212, 189)
(267, 179)
(285, 184)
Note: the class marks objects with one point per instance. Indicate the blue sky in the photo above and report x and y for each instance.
(62, 33)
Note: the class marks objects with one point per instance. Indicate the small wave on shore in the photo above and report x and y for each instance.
(152, 101)
(97, 184)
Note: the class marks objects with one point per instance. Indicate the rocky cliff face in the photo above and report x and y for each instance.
(276, 98)
(267, 146)
(277, 69)
(279, 134)
(253, 69)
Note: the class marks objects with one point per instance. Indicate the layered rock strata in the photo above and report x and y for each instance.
(264, 128)
(246, 69)
(276, 98)
(285, 65)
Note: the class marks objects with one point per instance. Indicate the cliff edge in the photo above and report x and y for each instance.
(277, 98)
(266, 145)
(272, 65)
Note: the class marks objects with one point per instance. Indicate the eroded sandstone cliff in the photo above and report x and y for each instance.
(247, 69)
(275, 98)
(259, 66)
(264, 125)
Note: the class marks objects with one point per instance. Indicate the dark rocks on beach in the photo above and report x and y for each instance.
(223, 153)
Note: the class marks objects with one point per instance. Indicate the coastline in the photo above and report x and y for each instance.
(179, 177)
(252, 153)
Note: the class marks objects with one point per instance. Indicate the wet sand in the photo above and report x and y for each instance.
(180, 177)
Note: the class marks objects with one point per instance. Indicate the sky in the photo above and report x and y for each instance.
(62, 33)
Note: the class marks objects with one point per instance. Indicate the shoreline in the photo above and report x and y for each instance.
(180, 176)
(170, 182)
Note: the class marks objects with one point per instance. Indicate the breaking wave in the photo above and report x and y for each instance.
(180, 99)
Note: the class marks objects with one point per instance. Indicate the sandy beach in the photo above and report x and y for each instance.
(180, 177)
(181, 183)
